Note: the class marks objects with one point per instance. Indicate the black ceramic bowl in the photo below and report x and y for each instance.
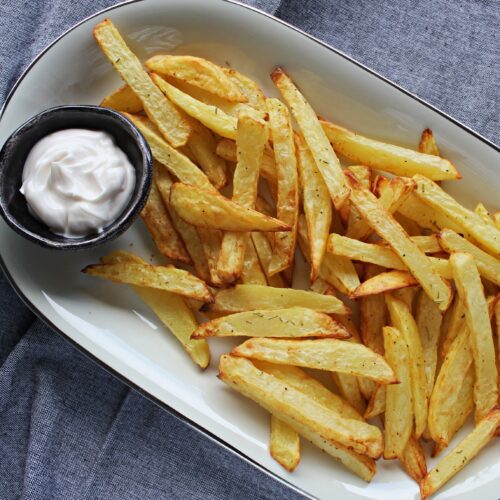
(13, 206)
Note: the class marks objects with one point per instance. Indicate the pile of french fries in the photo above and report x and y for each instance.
(420, 271)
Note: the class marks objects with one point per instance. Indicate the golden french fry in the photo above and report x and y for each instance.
(399, 401)
(317, 206)
(300, 380)
(387, 228)
(226, 149)
(252, 273)
(284, 444)
(179, 319)
(211, 116)
(428, 319)
(413, 460)
(402, 319)
(251, 137)
(388, 157)
(160, 110)
(454, 323)
(290, 322)
(431, 194)
(294, 407)
(253, 93)
(206, 209)
(264, 252)
(444, 397)
(288, 190)
(349, 215)
(198, 72)
(160, 277)
(188, 232)
(462, 454)
(428, 143)
(372, 312)
(123, 99)
(482, 211)
(338, 271)
(175, 162)
(488, 266)
(384, 282)
(470, 291)
(332, 355)
(348, 387)
(376, 404)
(202, 146)
(406, 295)
(428, 243)
(324, 156)
(159, 224)
(251, 297)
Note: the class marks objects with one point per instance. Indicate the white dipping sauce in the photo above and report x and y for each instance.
(77, 181)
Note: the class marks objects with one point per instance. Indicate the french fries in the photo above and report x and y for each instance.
(388, 157)
(265, 252)
(330, 354)
(431, 194)
(413, 460)
(251, 137)
(462, 454)
(298, 410)
(211, 116)
(253, 93)
(123, 99)
(418, 263)
(290, 322)
(284, 444)
(198, 72)
(288, 190)
(399, 402)
(251, 272)
(326, 160)
(384, 282)
(159, 109)
(252, 297)
(166, 278)
(470, 291)
(206, 209)
(428, 143)
(402, 319)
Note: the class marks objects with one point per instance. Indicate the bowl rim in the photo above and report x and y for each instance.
(130, 212)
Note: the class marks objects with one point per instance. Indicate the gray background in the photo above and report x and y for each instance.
(67, 428)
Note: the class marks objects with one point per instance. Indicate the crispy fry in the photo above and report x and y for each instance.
(298, 410)
(253, 93)
(198, 72)
(332, 355)
(227, 149)
(203, 208)
(431, 194)
(159, 277)
(402, 319)
(290, 322)
(159, 224)
(384, 282)
(252, 273)
(428, 143)
(251, 297)
(462, 454)
(388, 157)
(284, 444)
(399, 402)
(286, 169)
(211, 116)
(428, 319)
(160, 110)
(317, 206)
(413, 460)
(314, 135)
(418, 263)
(251, 137)
(265, 252)
(488, 266)
(123, 99)
(376, 405)
(470, 290)
(482, 211)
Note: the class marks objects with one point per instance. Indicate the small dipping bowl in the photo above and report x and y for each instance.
(13, 204)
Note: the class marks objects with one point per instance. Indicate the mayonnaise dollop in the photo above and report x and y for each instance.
(77, 181)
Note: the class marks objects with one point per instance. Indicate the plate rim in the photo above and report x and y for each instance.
(40, 315)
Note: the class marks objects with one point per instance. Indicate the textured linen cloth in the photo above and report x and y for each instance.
(68, 429)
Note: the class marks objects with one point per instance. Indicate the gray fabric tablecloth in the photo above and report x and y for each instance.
(68, 429)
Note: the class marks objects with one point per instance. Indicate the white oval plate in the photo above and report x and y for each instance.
(108, 322)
